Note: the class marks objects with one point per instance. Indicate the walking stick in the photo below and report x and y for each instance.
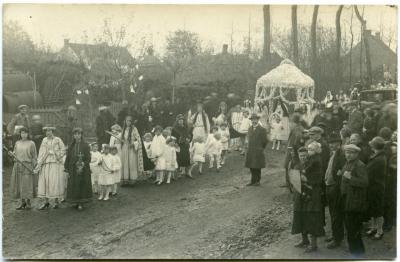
(16, 159)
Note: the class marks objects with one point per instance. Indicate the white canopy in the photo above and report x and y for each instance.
(283, 80)
(286, 75)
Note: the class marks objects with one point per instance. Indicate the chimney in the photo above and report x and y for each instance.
(224, 48)
(378, 35)
(66, 42)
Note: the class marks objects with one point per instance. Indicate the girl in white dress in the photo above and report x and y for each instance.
(236, 120)
(198, 154)
(214, 149)
(244, 129)
(115, 140)
(224, 132)
(106, 176)
(171, 163)
(157, 151)
(94, 166)
(50, 167)
(116, 166)
(276, 130)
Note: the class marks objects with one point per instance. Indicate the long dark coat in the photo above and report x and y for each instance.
(255, 157)
(307, 215)
(355, 189)
(79, 187)
(182, 135)
(376, 169)
(295, 136)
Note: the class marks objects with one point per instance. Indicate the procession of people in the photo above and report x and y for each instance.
(344, 159)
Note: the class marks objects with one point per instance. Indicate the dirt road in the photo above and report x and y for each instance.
(213, 216)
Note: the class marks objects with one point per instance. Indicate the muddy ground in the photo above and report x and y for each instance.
(213, 216)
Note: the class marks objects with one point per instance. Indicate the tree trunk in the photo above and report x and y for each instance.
(295, 41)
(314, 66)
(366, 36)
(351, 50)
(267, 34)
(338, 46)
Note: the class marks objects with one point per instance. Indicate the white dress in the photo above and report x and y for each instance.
(115, 142)
(224, 138)
(157, 149)
(106, 176)
(94, 166)
(245, 125)
(213, 146)
(200, 129)
(116, 165)
(276, 130)
(171, 163)
(50, 165)
(198, 152)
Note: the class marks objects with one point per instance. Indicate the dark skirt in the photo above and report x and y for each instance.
(183, 157)
(79, 187)
(308, 222)
(376, 202)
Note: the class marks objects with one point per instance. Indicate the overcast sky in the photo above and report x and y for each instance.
(213, 23)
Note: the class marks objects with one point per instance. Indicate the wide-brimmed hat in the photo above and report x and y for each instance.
(352, 148)
(315, 130)
(377, 143)
(254, 116)
(116, 127)
(22, 106)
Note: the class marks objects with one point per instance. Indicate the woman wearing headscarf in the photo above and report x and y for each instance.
(131, 153)
(183, 137)
(79, 186)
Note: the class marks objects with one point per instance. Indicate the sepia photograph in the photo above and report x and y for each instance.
(199, 131)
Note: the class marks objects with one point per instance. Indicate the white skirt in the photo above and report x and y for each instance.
(51, 182)
(117, 177)
(96, 170)
(199, 158)
(160, 164)
(106, 179)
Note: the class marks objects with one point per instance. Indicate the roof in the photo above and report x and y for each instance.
(380, 54)
(102, 51)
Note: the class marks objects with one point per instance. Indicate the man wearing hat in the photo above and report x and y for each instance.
(315, 134)
(19, 120)
(332, 187)
(104, 121)
(255, 158)
(353, 198)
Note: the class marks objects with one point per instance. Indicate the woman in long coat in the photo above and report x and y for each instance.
(22, 178)
(182, 135)
(307, 216)
(131, 153)
(376, 170)
(51, 184)
(79, 186)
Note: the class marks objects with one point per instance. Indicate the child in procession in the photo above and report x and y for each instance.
(244, 129)
(276, 130)
(116, 167)
(214, 148)
(225, 136)
(94, 166)
(147, 140)
(157, 152)
(171, 163)
(106, 176)
(197, 154)
(116, 130)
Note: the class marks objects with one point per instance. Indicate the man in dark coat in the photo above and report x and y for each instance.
(332, 187)
(353, 199)
(156, 112)
(255, 158)
(104, 122)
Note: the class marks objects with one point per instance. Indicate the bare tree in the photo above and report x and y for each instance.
(295, 42)
(338, 45)
(351, 48)
(267, 33)
(314, 66)
(365, 34)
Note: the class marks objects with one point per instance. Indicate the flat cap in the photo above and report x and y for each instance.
(315, 130)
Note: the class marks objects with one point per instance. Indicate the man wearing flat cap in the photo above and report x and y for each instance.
(353, 198)
(255, 158)
(19, 120)
(315, 134)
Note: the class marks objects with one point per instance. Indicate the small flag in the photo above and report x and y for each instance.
(87, 91)
(132, 90)
(137, 66)
(140, 78)
(78, 102)
(79, 92)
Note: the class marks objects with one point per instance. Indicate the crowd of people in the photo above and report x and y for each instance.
(347, 161)
(346, 158)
